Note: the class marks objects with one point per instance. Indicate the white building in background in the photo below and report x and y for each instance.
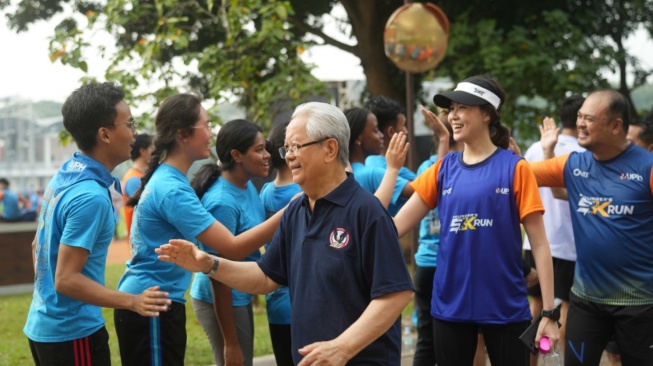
(30, 151)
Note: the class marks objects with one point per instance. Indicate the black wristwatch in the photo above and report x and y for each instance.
(553, 314)
(214, 268)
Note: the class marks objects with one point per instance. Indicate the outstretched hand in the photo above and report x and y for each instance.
(549, 135)
(395, 155)
(438, 127)
(185, 254)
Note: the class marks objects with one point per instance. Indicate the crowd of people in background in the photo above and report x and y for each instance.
(17, 206)
(560, 237)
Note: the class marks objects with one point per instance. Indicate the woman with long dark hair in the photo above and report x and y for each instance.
(168, 208)
(227, 192)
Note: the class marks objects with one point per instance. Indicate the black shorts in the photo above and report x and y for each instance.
(590, 326)
(91, 350)
(152, 340)
(563, 277)
(455, 343)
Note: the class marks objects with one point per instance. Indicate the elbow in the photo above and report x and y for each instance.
(62, 285)
(410, 296)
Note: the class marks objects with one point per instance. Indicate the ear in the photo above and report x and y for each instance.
(332, 150)
(486, 116)
(182, 135)
(236, 155)
(389, 131)
(104, 135)
(618, 127)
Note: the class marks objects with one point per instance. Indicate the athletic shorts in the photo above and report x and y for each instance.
(590, 326)
(152, 341)
(563, 277)
(91, 350)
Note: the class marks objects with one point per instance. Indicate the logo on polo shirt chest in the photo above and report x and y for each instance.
(339, 238)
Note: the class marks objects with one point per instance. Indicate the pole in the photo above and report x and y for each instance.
(412, 152)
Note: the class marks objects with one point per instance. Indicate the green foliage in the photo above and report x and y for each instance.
(541, 62)
(225, 50)
(248, 49)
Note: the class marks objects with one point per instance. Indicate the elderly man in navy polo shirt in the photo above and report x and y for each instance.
(336, 249)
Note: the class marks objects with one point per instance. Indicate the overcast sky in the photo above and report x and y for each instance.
(26, 71)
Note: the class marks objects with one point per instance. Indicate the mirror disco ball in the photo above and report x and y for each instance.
(416, 37)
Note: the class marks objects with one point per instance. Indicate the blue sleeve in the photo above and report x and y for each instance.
(407, 174)
(227, 215)
(383, 259)
(132, 185)
(425, 165)
(182, 208)
(85, 218)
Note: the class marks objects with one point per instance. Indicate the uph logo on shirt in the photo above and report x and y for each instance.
(602, 206)
(468, 222)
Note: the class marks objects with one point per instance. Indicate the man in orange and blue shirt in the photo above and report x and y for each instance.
(610, 189)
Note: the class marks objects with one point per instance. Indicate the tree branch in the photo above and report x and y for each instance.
(327, 40)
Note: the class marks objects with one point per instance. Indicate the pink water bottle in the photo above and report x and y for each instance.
(550, 357)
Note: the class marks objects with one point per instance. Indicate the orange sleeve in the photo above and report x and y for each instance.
(526, 192)
(2, 195)
(426, 185)
(550, 172)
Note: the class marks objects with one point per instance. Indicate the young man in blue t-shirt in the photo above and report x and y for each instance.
(76, 225)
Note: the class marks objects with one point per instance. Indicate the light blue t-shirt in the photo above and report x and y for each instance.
(11, 209)
(168, 209)
(132, 185)
(370, 179)
(405, 174)
(238, 210)
(429, 229)
(76, 211)
(274, 199)
(379, 161)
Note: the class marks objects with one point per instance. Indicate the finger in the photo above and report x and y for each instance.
(166, 258)
(308, 348)
(179, 242)
(393, 141)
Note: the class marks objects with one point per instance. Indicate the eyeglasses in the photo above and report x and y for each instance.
(208, 126)
(294, 149)
(131, 124)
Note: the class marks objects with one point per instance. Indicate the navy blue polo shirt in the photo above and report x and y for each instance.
(335, 260)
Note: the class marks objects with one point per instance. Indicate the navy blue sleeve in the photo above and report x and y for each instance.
(383, 259)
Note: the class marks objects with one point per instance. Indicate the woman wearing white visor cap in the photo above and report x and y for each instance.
(483, 194)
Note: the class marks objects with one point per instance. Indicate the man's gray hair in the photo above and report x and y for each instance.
(326, 121)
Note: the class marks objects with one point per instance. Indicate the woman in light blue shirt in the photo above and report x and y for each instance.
(227, 192)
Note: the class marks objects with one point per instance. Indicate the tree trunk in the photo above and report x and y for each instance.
(368, 18)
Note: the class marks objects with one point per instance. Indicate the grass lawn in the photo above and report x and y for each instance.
(14, 348)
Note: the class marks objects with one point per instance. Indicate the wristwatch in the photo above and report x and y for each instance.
(553, 314)
(214, 268)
